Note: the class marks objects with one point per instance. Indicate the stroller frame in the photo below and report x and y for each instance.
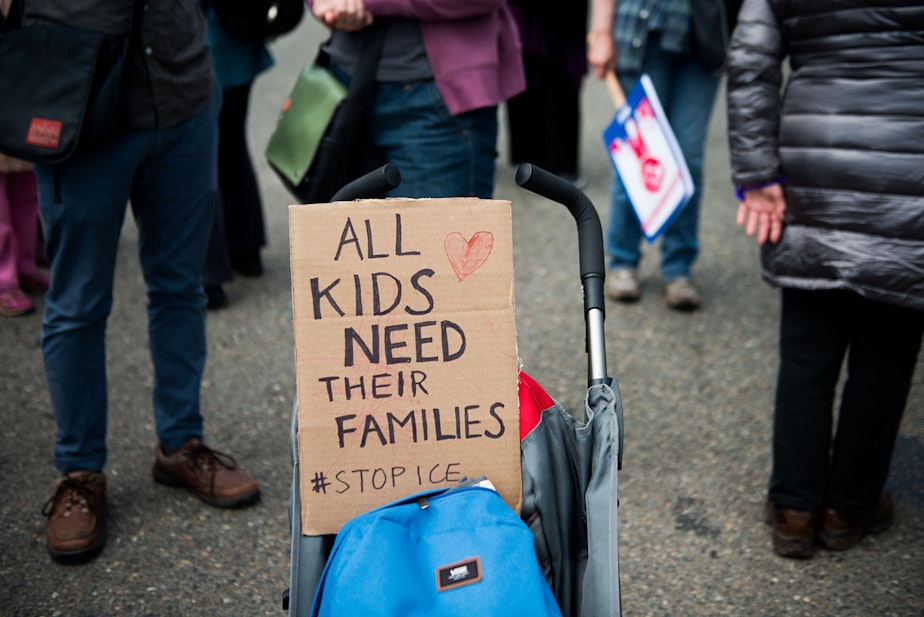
(583, 574)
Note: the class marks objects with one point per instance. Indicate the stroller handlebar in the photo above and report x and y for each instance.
(590, 233)
(590, 245)
(374, 184)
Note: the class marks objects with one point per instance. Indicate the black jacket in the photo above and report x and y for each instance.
(171, 77)
(846, 133)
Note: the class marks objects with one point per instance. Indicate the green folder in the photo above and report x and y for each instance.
(303, 121)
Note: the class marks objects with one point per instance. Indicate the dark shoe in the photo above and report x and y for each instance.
(76, 517)
(211, 476)
(838, 532)
(247, 263)
(793, 531)
(216, 297)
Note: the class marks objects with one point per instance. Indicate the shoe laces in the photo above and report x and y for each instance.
(204, 457)
(75, 494)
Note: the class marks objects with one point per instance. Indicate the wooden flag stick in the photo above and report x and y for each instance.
(615, 90)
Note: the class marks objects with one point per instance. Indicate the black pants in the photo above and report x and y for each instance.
(544, 122)
(238, 226)
(237, 182)
(814, 461)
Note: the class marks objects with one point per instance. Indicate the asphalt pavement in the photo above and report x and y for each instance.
(697, 391)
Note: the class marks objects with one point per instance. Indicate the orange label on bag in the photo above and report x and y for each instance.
(44, 133)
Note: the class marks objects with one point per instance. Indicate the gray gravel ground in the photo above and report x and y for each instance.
(697, 390)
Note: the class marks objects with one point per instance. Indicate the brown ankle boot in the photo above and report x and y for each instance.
(838, 531)
(793, 530)
(211, 476)
(76, 517)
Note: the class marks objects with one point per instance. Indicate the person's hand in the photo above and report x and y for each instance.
(349, 15)
(761, 212)
(9, 165)
(601, 53)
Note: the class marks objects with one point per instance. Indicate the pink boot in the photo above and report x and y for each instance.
(13, 303)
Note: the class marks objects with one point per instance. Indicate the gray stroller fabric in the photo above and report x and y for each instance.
(309, 553)
(570, 486)
(569, 470)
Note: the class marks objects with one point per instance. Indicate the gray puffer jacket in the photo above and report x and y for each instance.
(846, 134)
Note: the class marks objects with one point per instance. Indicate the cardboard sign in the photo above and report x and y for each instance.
(647, 157)
(405, 345)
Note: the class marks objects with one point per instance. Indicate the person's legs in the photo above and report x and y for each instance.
(813, 341)
(524, 114)
(82, 237)
(687, 93)
(623, 233)
(241, 204)
(23, 192)
(8, 249)
(172, 204)
(438, 154)
(216, 270)
(173, 207)
(883, 353)
(544, 121)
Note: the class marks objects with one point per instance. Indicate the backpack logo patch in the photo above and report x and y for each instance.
(459, 574)
(44, 133)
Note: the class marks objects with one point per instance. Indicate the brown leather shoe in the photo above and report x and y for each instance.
(838, 532)
(211, 476)
(793, 530)
(76, 517)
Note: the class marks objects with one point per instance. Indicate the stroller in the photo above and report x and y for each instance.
(568, 464)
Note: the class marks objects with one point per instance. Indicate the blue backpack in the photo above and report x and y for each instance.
(456, 552)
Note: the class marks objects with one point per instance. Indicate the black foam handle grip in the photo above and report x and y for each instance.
(374, 184)
(590, 232)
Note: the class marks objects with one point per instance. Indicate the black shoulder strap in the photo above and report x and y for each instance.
(13, 18)
(363, 80)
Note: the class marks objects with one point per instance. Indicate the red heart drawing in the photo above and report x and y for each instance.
(466, 256)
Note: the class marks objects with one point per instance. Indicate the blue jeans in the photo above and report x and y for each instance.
(170, 176)
(437, 153)
(687, 93)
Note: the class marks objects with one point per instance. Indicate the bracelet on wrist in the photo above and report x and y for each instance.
(741, 190)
